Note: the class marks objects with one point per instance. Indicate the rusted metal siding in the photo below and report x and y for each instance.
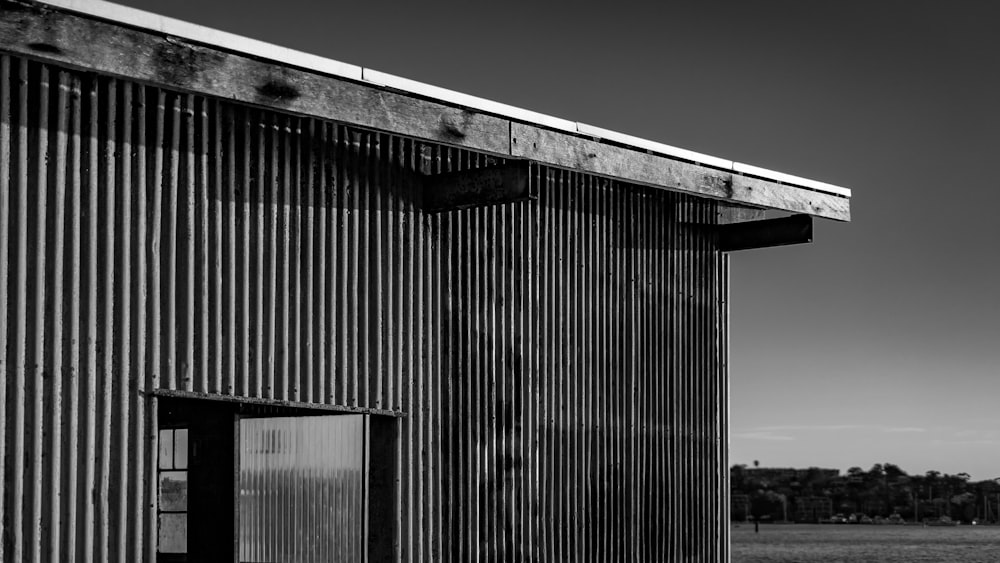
(560, 362)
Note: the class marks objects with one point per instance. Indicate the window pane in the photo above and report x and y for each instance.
(173, 491)
(181, 448)
(166, 449)
(172, 535)
(301, 489)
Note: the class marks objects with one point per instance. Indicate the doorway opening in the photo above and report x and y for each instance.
(254, 483)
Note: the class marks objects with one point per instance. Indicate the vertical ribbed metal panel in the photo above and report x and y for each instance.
(72, 254)
(561, 362)
(587, 384)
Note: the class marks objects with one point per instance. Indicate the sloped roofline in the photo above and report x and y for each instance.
(237, 43)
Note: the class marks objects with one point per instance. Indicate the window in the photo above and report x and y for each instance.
(301, 489)
(172, 491)
(269, 484)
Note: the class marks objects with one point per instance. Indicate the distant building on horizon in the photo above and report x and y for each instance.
(813, 509)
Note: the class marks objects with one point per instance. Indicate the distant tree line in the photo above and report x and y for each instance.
(883, 491)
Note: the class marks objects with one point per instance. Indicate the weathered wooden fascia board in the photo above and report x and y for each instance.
(773, 195)
(283, 56)
(200, 34)
(575, 153)
(33, 31)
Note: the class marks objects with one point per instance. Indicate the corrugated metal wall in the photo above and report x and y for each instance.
(585, 377)
(560, 362)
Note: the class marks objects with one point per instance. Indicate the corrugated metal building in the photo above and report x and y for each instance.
(261, 306)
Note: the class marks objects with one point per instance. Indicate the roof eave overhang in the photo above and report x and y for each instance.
(123, 42)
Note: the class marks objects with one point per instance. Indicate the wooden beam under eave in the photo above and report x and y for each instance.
(729, 213)
(783, 231)
(490, 185)
(93, 45)
(577, 153)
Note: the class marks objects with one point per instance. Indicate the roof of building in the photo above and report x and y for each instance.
(567, 143)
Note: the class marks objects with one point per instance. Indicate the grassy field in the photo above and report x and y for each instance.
(814, 543)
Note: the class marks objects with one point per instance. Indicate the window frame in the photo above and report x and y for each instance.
(172, 556)
(381, 433)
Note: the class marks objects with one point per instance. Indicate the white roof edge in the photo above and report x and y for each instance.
(237, 43)
(179, 28)
(789, 179)
(654, 146)
(458, 98)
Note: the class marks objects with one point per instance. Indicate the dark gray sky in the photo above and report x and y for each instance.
(879, 342)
